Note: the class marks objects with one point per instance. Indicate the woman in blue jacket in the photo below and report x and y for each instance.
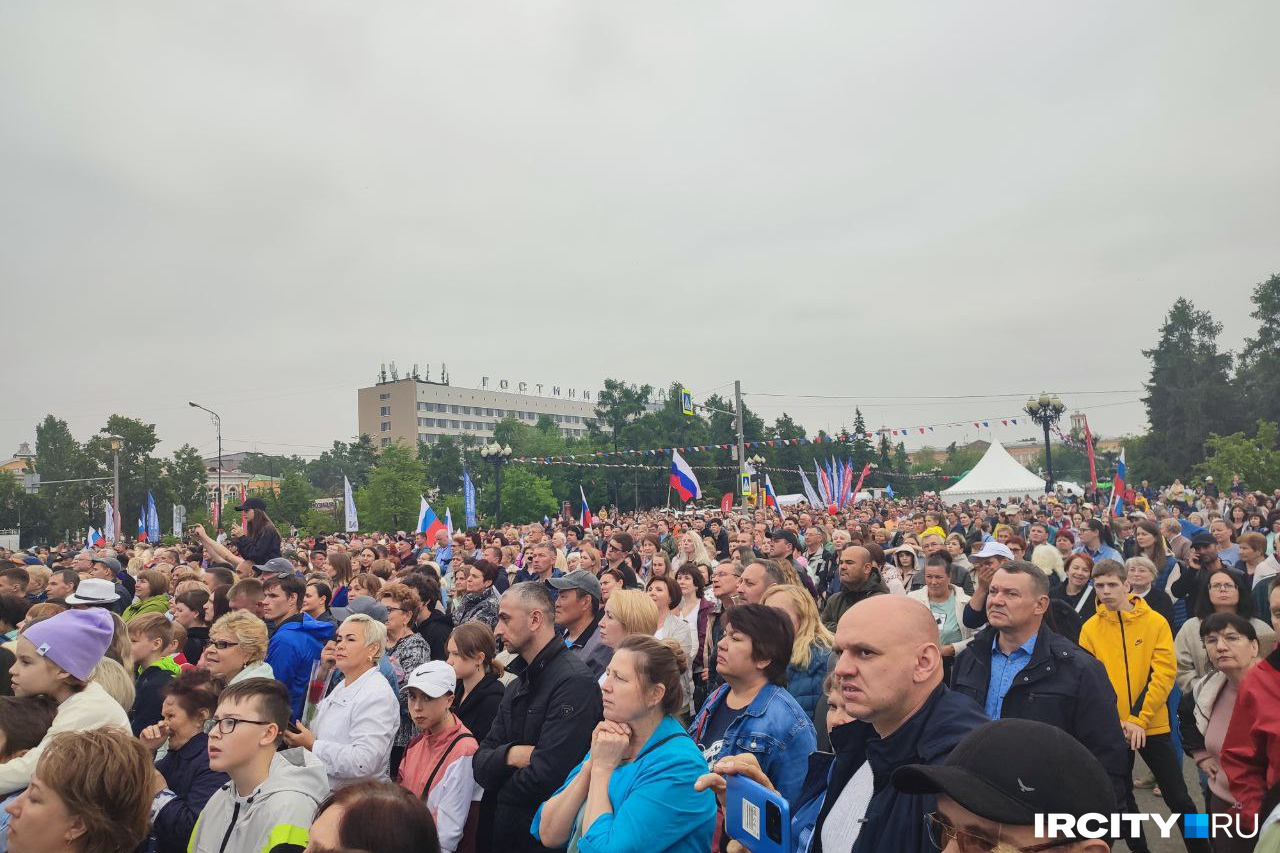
(811, 649)
(633, 793)
(189, 702)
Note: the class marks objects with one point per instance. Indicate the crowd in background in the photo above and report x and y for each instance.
(542, 685)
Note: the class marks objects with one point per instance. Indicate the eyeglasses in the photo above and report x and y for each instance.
(391, 609)
(1221, 587)
(942, 833)
(227, 725)
(223, 645)
(1213, 640)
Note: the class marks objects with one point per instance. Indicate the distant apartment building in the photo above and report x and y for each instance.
(414, 409)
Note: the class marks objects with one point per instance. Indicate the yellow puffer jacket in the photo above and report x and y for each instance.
(1136, 647)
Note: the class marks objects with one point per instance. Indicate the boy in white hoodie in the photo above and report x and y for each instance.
(268, 805)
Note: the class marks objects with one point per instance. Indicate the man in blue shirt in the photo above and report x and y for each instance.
(444, 551)
(1092, 542)
(1017, 667)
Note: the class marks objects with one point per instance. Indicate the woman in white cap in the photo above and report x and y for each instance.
(55, 658)
(437, 763)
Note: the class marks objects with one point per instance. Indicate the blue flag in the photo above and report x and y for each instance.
(888, 489)
(469, 496)
(153, 520)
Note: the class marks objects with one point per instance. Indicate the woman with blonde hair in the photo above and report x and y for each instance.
(629, 611)
(811, 648)
(692, 552)
(237, 648)
(588, 558)
(1050, 562)
(355, 725)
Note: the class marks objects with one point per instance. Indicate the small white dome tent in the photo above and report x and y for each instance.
(997, 475)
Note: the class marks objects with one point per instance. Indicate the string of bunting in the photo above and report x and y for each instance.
(842, 438)
(619, 465)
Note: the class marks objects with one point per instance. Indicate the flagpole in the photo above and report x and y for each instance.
(668, 495)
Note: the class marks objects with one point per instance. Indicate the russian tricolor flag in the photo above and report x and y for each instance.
(428, 523)
(682, 478)
(586, 510)
(1117, 486)
(770, 497)
(93, 539)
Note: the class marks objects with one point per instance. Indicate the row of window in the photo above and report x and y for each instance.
(497, 413)
(434, 438)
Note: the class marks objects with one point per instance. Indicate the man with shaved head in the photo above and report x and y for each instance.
(890, 677)
(859, 579)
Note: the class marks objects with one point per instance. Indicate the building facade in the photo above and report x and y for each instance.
(413, 409)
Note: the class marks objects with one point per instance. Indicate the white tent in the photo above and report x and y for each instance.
(997, 475)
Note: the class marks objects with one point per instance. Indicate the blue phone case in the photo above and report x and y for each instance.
(756, 817)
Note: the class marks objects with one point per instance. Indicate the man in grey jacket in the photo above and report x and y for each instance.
(578, 610)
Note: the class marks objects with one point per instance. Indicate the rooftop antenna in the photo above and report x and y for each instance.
(382, 374)
(444, 374)
(395, 374)
(414, 375)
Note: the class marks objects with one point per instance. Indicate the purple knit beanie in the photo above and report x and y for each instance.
(75, 640)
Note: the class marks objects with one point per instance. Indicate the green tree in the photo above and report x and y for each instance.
(860, 448)
(1189, 394)
(69, 507)
(292, 504)
(389, 499)
(526, 496)
(1258, 369)
(617, 406)
(1255, 458)
(185, 480)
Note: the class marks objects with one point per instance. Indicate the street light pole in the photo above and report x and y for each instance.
(217, 497)
(117, 443)
(1046, 410)
(498, 455)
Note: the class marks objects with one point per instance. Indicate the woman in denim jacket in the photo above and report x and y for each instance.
(752, 711)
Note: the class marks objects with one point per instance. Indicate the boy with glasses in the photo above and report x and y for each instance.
(272, 797)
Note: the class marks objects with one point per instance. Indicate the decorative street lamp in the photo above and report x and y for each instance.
(1045, 410)
(117, 444)
(499, 456)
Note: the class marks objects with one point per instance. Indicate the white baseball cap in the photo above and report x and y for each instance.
(434, 678)
(993, 549)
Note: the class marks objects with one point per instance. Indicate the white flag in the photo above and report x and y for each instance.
(109, 524)
(352, 524)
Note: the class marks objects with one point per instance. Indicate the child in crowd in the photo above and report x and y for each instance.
(23, 724)
(437, 762)
(273, 796)
(55, 658)
(150, 635)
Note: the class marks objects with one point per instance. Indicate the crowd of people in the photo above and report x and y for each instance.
(905, 675)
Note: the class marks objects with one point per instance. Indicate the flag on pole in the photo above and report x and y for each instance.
(846, 479)
(1093, 471)
(93, 538)
(586, 510)
(771, 497)
(142, 523)
(349, 503)
(109, 522)
(428, 522)
(888, 489)
(153, 520)
(861, 479)
(809, 494)
(824, 483)
(448, 521)
(833, 471)
(469, 498)
(683, 479)
(1117, 485)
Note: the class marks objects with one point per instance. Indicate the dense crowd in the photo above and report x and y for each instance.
(900, 675)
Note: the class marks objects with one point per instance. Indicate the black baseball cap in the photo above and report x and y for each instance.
(1008, 771)
(784, 533)
(252, 503)
(1202, 539)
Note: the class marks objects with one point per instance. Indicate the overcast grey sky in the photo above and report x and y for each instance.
(254, 204)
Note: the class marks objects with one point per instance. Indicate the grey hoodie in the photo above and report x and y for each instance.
(274, 818)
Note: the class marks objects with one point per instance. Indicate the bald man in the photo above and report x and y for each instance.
(890, 676)
(859, 580)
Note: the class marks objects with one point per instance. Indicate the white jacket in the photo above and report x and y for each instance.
(91, 708)
(961, 601)
(354, 729)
